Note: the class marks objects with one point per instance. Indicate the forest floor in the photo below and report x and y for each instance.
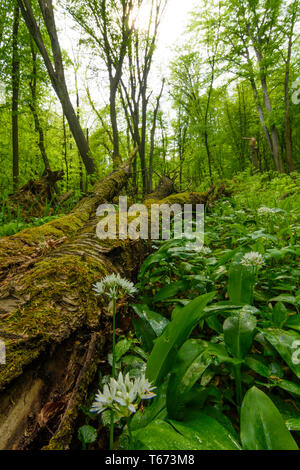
(261, 218)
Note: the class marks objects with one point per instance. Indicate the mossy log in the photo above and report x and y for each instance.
(56, 330)
(26, 247)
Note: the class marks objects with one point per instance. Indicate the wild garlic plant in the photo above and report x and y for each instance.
(123, 397)
(114, 287)
(253, 259)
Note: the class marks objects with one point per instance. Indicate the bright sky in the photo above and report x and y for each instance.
(171, 31)
(173, 25)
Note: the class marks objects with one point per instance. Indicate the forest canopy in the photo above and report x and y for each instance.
(227, 101)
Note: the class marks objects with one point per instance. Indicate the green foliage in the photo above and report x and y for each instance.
(216, 373)
(178, 330)
(262, 426)
(87, 435)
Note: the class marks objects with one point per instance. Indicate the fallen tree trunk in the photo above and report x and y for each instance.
(55, 328)
(30, 244)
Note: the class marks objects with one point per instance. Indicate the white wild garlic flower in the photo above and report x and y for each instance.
(114, 286)
(253, 259)
(264, 211)
(123, 396)
(205, 250)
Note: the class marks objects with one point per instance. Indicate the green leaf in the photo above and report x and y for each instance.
(289, 299)
(241, 283)
(293, 322)
(87, 434)
(207, 431)
(262, 426)
(122, 347)
(144, 333)
(160, 435)
(289, 386)
(176, 333)
(157, 322)
(279, 315)
(169, 291)
(257, 367)
(214, 412)
(191, 361)
(238, 333)
(286, 344)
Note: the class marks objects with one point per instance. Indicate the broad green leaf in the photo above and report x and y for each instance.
(122, 347)
(289, 299)
(215, 413)
(279, 315)
(157, 322)
(257, 366)
(293, 322)
(287, 344)
(144, 333)
(176, 333)
(238, 333)
(262, 426)
(241, 283)
(191, 361)
(207, 431)
(160, 435)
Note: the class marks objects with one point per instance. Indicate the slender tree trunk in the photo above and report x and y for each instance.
(152, 139)
(65, 151)
(274, 132)
(114, 125)
(288, 130)
(78, 117)
(34, 110)
(56, 72)
(15, 97)
(268, 106)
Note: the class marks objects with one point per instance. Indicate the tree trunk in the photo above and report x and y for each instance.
(288, 130)
(114, 125)
(34, 110)
(56, 72)
(15, 97)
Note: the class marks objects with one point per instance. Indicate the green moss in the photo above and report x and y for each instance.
(60, 301)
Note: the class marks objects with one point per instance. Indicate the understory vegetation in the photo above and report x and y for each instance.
(217, 332)
(130, 343)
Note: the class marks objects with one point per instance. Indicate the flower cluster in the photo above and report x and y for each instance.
(123, 395)
(253, 259)
(114, 286)
(205, 250)
(263, 211)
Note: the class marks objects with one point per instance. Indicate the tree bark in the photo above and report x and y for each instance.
(34, 110)
(15, 97)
